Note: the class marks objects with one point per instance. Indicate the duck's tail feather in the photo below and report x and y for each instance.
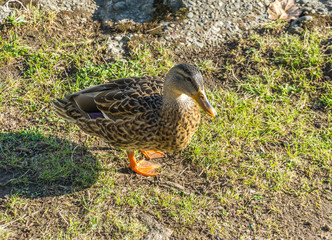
(67, 110)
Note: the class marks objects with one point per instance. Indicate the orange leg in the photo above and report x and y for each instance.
(153, 154)
(142, 167)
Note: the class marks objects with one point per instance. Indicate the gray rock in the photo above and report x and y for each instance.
(190, 15)
(215, 29)
(192, 3)
(267, 2)
(198, 44)
(249, 7)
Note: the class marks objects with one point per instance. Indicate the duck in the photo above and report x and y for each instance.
(145, 113)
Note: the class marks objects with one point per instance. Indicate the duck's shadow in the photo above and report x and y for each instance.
(36, 166)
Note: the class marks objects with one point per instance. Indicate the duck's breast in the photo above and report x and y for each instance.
(177, 126)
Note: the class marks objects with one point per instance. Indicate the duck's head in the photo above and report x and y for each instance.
(186, 80)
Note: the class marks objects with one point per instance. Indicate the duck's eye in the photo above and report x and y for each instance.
(188, 79)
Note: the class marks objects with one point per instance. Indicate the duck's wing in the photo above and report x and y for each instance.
(121, 98)
(129, 97)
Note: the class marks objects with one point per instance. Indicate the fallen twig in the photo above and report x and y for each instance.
(15, 1)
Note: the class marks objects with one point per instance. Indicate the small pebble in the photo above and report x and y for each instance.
(190, 15)
(249, 7)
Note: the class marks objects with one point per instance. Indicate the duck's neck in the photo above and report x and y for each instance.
(176, 99)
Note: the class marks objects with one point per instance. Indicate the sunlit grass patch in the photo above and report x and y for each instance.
(290, 66)
(266, 132)
(252, 131)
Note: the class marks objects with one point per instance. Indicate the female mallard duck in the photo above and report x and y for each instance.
(141, 113)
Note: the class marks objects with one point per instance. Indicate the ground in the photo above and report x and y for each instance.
(261, 169)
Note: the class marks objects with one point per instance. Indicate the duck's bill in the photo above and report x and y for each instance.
(204, 103)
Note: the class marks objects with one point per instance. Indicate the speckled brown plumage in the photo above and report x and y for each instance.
(141, 113)
(137, 118)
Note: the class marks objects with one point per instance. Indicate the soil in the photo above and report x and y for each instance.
(296, 217)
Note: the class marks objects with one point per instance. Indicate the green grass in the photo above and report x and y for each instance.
(269, 147)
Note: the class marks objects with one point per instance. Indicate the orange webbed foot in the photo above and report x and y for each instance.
(151, 154)
(143, 167)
